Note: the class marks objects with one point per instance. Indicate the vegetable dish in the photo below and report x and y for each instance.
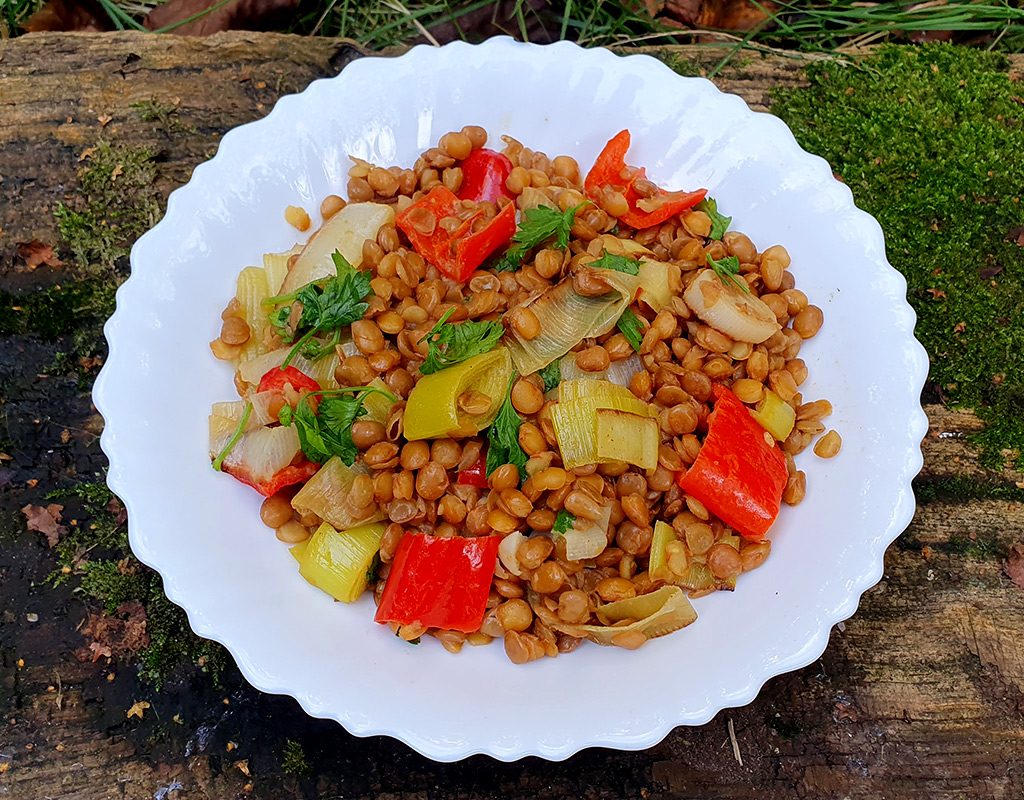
(512, 400)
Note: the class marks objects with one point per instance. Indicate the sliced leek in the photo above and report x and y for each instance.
(378, 404)
(252, 291)
(775, 415)
(575, 418)
(336, 562)
(345, 232)
(622, 436)
(656, 279)
(737, 314)
(657, 614)
(663, 534)
(588, 538)
(259, 454)
(321, 371)
(433, 411)
(326, 494)
(620, 372)
(567, 318)
(276, 267)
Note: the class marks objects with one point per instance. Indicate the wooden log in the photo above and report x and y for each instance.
(919, 695)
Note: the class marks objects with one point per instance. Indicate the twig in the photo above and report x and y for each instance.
(735, 744)
(323, 16)
(395, 5)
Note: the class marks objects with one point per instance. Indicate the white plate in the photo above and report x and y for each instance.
(240, 586)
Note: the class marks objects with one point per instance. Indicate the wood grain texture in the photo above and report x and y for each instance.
(919, 695)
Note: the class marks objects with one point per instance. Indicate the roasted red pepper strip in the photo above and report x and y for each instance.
(475, 474)
(740, 471)
(483, 176)
(439, 582)
(295, 473)
(608, 171)
(276, 378)
(456, 254)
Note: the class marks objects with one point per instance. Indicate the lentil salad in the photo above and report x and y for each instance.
(515, 401)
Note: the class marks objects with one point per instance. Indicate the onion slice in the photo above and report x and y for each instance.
(725, 308)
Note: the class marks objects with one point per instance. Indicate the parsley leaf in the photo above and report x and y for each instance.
(632, 328)
(538, 224)
(373, 571)
(563, 522)
(450, 343)
(551, 375)
(719, 223)
(503, 436)
(336, 303)
(727, 269)
(328, 432)
(618, 263)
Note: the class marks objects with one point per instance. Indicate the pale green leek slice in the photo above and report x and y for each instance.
(567, 318)
(433, 411)
(336, 562)
(326, 494)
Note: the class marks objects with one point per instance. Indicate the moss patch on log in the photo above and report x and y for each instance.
(931, 142)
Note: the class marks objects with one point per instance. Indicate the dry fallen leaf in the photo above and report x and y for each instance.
(68, 15)
(122, 633)
(243, 767)
(1016, 235)
(35, 253)
(137, 709)
(114, 507)
(1014, 565)
(45, 521)
(725, 15)
(236, 15)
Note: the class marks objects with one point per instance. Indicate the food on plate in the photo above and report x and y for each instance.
(513, 401)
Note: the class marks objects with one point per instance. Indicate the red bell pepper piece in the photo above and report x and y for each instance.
(276, 378)
(456, 254)
(609, 170)
(740, 471)
(293, 473)
(439, 582)
(483, 176)
(475, 474)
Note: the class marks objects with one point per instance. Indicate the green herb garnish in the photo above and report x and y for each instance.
(618, 263)
(239, 431)
(727, 269)
(328, 432)
(632, 328)
(719, 224)
(551, 375)
(503, 436)
(450, 343)
(563, 521)
(338, 302)
(538, 225)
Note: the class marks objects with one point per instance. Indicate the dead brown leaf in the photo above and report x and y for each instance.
(46, 521)
(725, 15)
(1016, 235)
(114, 507)
(988, 273)
(35, 253)
(1014, 565)
(253, 15)
(138, 709)
(122, 633)
(68, 15)
(937, 294)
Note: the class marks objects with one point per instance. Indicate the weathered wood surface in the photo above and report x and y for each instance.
(919, 695)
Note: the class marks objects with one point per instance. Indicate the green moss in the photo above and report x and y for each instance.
(95, 557)
(119, 201)
(931, 142)
(962, 489)
(979, 548)
(293, 760)
(153, 110)
(66, 308)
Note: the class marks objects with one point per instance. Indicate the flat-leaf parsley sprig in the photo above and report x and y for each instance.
(449, 343)
(537, 226)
